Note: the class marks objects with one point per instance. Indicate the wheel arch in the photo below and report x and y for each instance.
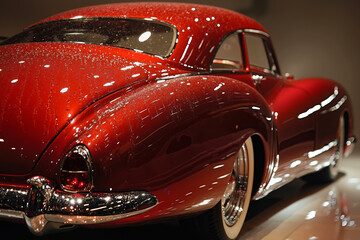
(259, 162)
(346, 125)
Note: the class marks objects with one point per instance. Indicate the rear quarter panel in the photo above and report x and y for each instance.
(176, 138)
(331, 101)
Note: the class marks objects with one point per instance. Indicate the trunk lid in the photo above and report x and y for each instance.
(45, 85)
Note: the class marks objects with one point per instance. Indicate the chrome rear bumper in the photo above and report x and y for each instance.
(46, 209)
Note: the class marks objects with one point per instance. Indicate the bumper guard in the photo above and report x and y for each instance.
(46, 209)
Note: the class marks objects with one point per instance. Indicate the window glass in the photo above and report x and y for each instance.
(257, 52)
(151, 37)
(229, 56)
(271, 57)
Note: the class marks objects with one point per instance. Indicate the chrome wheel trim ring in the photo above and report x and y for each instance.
(339, 151)
(236, 198)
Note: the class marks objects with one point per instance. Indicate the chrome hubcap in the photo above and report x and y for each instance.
(233, 199)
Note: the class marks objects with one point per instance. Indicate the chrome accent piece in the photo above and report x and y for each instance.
(257, 78)
(162, 79)
(257, 32)
(12, 201)
(351, 140)
(7, 213)
(46, 209)
(43, 185)
(350, 145)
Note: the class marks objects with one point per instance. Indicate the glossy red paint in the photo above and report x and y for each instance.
(45, 85)
(170, 126)
(200, 28)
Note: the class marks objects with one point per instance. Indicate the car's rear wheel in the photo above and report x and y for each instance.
(226, 219)
(330, 173)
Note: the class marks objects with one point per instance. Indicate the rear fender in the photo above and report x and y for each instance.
(330, 101)
(174, 136)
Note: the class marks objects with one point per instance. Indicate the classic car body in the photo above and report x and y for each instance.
(100, 128)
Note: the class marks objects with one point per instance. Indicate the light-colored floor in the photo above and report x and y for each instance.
(297, 211)
(301, 211)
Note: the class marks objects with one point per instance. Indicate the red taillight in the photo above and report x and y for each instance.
(74, 181)
(75, 174)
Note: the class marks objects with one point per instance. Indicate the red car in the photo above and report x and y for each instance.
(132, 113)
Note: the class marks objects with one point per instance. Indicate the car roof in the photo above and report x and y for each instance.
(200, 27)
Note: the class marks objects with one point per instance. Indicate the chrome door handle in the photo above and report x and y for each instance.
(258, 78)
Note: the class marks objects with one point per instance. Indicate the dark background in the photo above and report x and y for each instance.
(317, 38)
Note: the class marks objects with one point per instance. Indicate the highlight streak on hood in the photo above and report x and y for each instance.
(45, 85)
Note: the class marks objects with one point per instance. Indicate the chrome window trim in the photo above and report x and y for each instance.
(239, 31)
(218, 47)
(170, 52)
(269, 48)
(254, 31)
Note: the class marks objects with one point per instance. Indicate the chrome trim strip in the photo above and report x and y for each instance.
(6, 213)
(46, 209)
(162, 79)
(256, 32)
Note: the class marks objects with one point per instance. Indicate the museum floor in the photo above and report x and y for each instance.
(297, 211)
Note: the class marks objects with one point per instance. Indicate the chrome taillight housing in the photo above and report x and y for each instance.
(76, 170)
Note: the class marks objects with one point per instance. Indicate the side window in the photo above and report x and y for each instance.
(259, 53)
(229, 55)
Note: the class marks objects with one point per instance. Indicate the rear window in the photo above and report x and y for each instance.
(152, 37)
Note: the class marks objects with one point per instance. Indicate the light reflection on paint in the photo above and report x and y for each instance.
(295, 163)
(219, 86)
(324, 103)
(309, 111)
(224, 176)
(109, 84)
(203, 203)
(186, 48)
(77, 17)
(327, 147)
(219, 166)
(126, 68)
(339, 104)
(64, 90)
(330, 98)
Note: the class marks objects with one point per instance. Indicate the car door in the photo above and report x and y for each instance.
(295, 129)
(249, 53)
